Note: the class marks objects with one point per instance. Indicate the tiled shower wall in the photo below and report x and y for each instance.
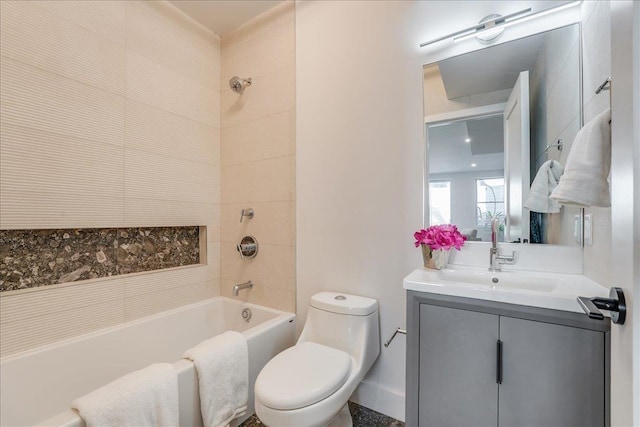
(110, 118)
(258, 157)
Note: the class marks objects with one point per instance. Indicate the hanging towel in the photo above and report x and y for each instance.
(222, 363)
(543, 184)
(144, 398)
(584, 182)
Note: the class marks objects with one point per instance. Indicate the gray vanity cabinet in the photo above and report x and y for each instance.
(481, 363)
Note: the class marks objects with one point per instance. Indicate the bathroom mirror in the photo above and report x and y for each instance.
(493, 117)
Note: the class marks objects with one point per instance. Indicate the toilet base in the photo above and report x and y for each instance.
(343, 419)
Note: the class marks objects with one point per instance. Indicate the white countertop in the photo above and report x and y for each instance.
(557, 291)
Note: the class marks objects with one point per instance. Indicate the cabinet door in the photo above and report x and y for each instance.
(457, 368)
(553, 375)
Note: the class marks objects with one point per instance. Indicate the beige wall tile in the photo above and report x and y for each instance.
(274, 267)
(19, 306)
(167, 213)
(268, 95)
(261, 181)
(74, 52)
(158, 33)
(153, 176)
(169, 279)
(104, 17)
(40, 329)
(258, 158)
(275, 298)
(161, 87)
(274, 222)
(260, 55)
(63, 154)
(155, 302)
(265, 138)
(161, 132)
(52, 181)
(232, 267)
(37, 99)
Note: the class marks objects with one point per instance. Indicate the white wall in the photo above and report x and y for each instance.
(359, 166)
(360, 155)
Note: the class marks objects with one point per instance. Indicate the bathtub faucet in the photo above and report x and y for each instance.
(245, 285)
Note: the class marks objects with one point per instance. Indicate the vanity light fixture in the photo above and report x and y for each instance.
(491, 27)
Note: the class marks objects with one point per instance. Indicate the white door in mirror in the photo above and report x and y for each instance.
(516, 160)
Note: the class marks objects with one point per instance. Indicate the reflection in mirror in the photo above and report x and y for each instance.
(493, 119)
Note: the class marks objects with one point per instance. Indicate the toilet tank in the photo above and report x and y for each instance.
(346, 322)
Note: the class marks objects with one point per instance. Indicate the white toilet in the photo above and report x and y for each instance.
(308, 385)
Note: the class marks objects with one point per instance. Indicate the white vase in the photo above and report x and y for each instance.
(436, 259)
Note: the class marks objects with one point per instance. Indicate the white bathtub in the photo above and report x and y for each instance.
(37, 386)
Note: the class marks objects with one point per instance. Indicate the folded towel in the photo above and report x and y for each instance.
(543, 184)
(148, 397)
(222, 363)
(584, 182)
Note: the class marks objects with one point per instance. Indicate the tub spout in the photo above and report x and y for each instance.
(245, 285)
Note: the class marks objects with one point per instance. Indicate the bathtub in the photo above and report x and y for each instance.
(37, 386)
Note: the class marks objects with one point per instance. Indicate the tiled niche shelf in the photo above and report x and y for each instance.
(35, 258)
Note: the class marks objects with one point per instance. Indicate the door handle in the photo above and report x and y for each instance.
(615, 304)
(499, 362)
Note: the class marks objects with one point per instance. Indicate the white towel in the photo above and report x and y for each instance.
(543, 184)
(148, 397)
(222, 363)
(584, 182)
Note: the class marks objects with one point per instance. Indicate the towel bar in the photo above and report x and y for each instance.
(606, 85)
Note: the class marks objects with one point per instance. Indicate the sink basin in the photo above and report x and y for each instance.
(499, 279)
(537, 289)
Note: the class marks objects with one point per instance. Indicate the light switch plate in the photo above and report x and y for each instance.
(577, 229)
(588, 238)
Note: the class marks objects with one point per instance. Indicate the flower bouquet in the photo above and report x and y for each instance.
(436, 242)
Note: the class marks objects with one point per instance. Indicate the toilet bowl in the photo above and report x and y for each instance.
(309, 384)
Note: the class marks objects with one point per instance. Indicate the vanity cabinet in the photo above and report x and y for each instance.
(483, 363)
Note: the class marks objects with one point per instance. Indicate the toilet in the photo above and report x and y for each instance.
(309, 384)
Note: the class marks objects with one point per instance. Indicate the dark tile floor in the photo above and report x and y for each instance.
(362, 417)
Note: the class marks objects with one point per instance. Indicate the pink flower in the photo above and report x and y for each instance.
(444, 237)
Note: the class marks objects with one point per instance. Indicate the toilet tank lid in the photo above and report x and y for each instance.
(337, 302)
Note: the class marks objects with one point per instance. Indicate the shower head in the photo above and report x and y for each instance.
(238, 85)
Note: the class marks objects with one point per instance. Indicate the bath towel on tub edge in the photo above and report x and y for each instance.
(144, 398)
(222, 363)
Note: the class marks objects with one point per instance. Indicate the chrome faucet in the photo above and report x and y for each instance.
(495, 259)
(245, 285)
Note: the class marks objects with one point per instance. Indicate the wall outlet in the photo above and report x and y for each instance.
(588, 238)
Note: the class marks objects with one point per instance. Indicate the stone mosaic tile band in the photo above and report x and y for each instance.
(32, 258)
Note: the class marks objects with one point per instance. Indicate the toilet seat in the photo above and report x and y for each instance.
(301, 376)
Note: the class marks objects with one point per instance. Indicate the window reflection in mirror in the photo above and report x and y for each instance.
(523, 95)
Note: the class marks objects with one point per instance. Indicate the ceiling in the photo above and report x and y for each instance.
(449, 153)
(492, 69)
(224, 16)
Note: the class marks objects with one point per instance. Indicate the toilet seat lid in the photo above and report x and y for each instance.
(302, 375)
